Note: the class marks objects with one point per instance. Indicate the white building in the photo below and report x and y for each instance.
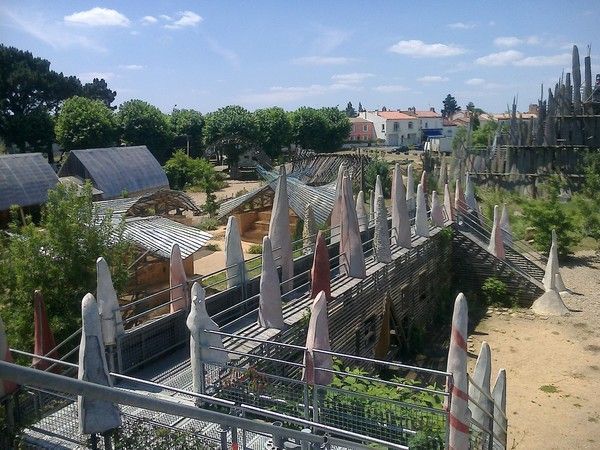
(395, 128)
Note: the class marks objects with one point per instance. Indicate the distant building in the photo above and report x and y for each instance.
(116, 171)
(430, 122)
(395, 127)
(362, 130)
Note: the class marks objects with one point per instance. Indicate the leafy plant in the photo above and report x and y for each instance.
(212, 247)
(138, 434)
(255, 249)
(495, 292)
(208, 224)
(378, 166)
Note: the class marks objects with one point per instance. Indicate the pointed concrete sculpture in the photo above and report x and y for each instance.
(234, 255)
(317, 338)
(279, 231)
(437, 211)
(499, 396)
(470, 193)
(43, 338)
(6, 387)
(550, 303)
(199, 322)
(179, 292)
(443, 179)
(459, 199)
(411, 202)
(270, 312)
(371, 206)
(352, 258)
(481, 376)
(336, 212)
(505, 226)
(421, 223)
(383, 343)
(424, 182)
(459, 417)
(496, 246)
(560, 284)
(108, 304)
(448, 203)
(400, 216)
(361, 214)
(378, 187)
(320, 274)
(381, 240)
(309, 230)
(95, 416)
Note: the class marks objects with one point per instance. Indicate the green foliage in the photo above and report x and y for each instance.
(378, 166)
(450, 106)
(98, 90)
(322, 130)
(59, 258)
(212, 247)
(141, 123)
(460, 138)
(188, 123)
(140, 434)
(350, 111)
(591, 170)
(255, 249)
(484, 135)
(208, 224)
(495, 292)
(85, 123)
(337, 129)
(274, 129)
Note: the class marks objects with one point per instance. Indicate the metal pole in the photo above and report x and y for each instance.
(223, 435)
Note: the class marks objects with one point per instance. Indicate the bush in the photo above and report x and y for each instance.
(379, 167)
(255, 249)
(208, 224)
(495, 292)
(212, 247)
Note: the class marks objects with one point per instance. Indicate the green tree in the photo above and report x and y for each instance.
(188, 123)
(360, 107)
(59, 258)
(231, 130)
(337, 129)
(379, 167)
(460, 138)
(450, 106)
(274, 129)
(484, 135)
(140, 123)
(98, 90)
(350, 111)
(309, 128)
(85, 123)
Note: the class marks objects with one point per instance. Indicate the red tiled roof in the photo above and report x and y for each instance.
(428, 114)
(359, 120)
(394, 115)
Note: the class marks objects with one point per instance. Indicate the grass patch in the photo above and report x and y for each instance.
(549, 389)
(255, 249)
(208, 224)
(212, 247)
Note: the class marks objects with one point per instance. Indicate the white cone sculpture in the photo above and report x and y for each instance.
(309, 231)
(199, 322)
(361, 213)
(448, 203)
(482, 407)
(499, 396)
(270, 312)
(459, 199)
(496, 246)
(410, 190)
(457, 365)
(279, 231)
(108, 304)
(371, 206)
(336, 212)
(352, 258)
(317, 338)
(550, 303)
(179, 293)
(400, 216)
(437, 211)
(378, 187)
(443, 178)
(95, 416)
(470, 193)
(560, 284)
(381, 240)
(234, 255)
(505, 226)
(421, 223)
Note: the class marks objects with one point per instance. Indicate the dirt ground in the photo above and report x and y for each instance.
(552, 365)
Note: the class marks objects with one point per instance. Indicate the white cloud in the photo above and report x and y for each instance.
(475, 81)
(229, 55)
(432, 79)
(165, 17)
(500, 58)
(131, 67)
(278, 94)
(513, 41)
(87, 77)
(389, 88)
(186, 19)
(417, 48)
(461, 25)
(563, 59)
(148, 20)
(328, 39)
(351, 78)
(98, 17)
(322, 60)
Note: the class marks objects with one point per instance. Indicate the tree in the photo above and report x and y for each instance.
(379, 167)
(188, 123)
(274, 130)
(350, 111)
(460, 138)
(309, 128)
(450, 106)
(98, 90)
(59, 258)
(470, 106)
(360, 107)
(231, 130)
(484, 135)
(140, 123)
(85, 123)
(337, 129)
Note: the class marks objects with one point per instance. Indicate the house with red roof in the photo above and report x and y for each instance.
(395, 128)
(362, 131)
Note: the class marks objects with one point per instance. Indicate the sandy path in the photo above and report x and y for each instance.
(552, 364)
(230, 191)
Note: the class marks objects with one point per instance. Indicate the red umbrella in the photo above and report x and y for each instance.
(320, 275)
(43, 337)
(6, 387)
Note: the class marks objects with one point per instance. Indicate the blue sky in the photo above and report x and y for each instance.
(208, 54)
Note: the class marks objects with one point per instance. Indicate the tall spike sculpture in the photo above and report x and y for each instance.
(317, 338)
(371, 206)
(505, 226)
(108, 304)
(550, 303)
(421, 223)
(320, 273)
(576, 82)
(587, 79)
(470, 193)
(400, 216)
(499, 395)
(550, 126)
(443, 179)
(336, 213)
(448, 203)
(43, 338)
(6, 387)
(381, 241)
(437, 211)
(352, 258)
(270, 310)
(496, 246)
(234, 255)
(179, 293)
(558, 281)
(279, 231)
(481, 407)
(378, 187)
(309, 230)
(411, 201)
(383, 343)
(459, 199)
(361, 213)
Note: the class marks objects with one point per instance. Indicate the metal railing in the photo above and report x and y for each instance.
(492, 433)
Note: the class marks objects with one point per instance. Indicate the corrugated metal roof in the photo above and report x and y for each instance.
(136, 206)
(158, 234)
(114, 170)
(25, 180)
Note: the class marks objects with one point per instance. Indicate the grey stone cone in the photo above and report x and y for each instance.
(400, 216)
(95, 416)
(411, 201)
(361, 213)
(317, 338)
(482, 406)
(437, 211)
(378, 187)
(371, 206)
(550, 303)
(381, 241)
(560, 284)
(309, 230)
(496, 245)
(336, 212)
(270, 312)
(199, 322)
(279, 231)
(470, 193)
(421, 222)
(352, 258)
(108, 304)
(179, 293)
(499, 396)
(505, 226)
(448, 203)
(443, 178)
(234, 255)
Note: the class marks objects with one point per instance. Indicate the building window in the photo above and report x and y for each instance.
(365, 128)
(426, 124)
(383, 127)
(396, 126)
(410, 125)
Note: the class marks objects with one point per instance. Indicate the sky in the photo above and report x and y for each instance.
(209, 54)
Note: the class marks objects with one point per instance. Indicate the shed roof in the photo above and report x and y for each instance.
(114, 170)
(25, 180)
(159, 202)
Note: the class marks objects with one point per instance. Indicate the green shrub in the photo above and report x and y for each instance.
(495, 292)
(255, 249)
(379, 167)
(212, 247)
(208, 224)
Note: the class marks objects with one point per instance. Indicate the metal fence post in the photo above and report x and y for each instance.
(223, 436)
